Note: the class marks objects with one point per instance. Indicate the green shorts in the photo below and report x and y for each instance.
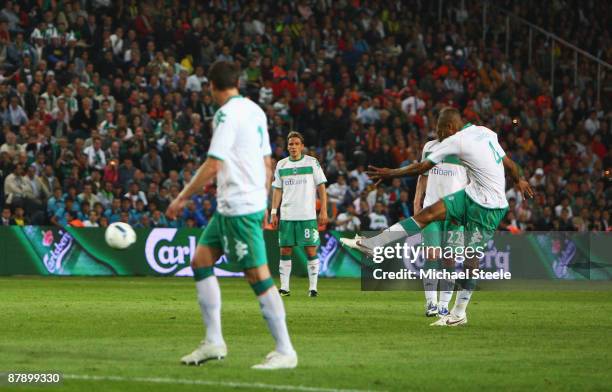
(441, 233)
(480, 222)
(298, 233)
(240, 237)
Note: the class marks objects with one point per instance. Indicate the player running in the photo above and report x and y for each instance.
(297, 179)
(479, 207)
(239, 158)
(448, 176)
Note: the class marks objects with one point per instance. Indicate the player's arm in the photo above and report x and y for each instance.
(268, 163)
(421, 186)
(517, 176)
(321, 180)
(206, 172)
(277, 196)
(323, 218)
(381, 173)
(419, 193)
(450, 146)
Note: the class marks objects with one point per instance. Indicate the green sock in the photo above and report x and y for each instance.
(410, 226)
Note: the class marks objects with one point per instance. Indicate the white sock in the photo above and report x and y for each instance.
(392, 234)
(447, 287)
(284, 270)
(313, 273)
(209, 298)
(273, 311)
(461, 302)
(431, 290)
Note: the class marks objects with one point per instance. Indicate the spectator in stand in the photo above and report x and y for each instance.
(96, 158)
(336, 192)
(348, 220)
(16, 115)
(6, 218)
(378, 219)
(401, 209)
(151, 162)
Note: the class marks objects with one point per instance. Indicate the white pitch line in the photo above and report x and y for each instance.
(229, 384)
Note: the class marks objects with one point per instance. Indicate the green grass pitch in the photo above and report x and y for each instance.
(128, 334)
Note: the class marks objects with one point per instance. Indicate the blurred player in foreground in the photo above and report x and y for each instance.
(297, 179)
(239, 158)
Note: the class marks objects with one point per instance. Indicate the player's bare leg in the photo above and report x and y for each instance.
(398, 231)
(209, 298)
(313, 270)
(273, 310)
(284, 270)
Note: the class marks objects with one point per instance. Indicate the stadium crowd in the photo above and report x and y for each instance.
(106, 110)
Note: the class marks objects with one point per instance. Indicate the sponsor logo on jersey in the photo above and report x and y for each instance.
(452, 172)
(295, 181)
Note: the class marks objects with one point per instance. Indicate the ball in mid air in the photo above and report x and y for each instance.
(119, 235)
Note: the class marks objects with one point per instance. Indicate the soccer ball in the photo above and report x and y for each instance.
(119, 235)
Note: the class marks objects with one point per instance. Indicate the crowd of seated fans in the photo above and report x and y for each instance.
(105, 108)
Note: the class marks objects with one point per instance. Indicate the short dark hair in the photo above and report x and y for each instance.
(449, 114)
(295, 134)
(224, 75)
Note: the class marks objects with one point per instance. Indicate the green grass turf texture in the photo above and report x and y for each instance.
(140, 327)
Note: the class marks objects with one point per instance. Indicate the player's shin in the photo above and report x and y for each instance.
(463, 297)
(447, 286)
(273, 312)
(394, 233)
(313, 272)
(209, 299)
(430, 285)
(284, 270)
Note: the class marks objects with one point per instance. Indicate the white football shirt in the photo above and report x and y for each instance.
(299, 180)
(448, 176)
(477, 147)
(240, 139)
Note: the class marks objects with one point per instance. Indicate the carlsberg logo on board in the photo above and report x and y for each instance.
(164, 255)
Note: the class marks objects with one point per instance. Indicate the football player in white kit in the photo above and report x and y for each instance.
(479, 207)
(297, 179)
(448, 176)
(239, 159)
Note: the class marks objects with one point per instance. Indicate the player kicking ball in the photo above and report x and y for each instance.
(239, 159)
(479, 207)
(297, 179)
(448, 176)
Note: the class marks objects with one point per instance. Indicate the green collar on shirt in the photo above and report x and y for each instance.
(465, 126)
(296, 160)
